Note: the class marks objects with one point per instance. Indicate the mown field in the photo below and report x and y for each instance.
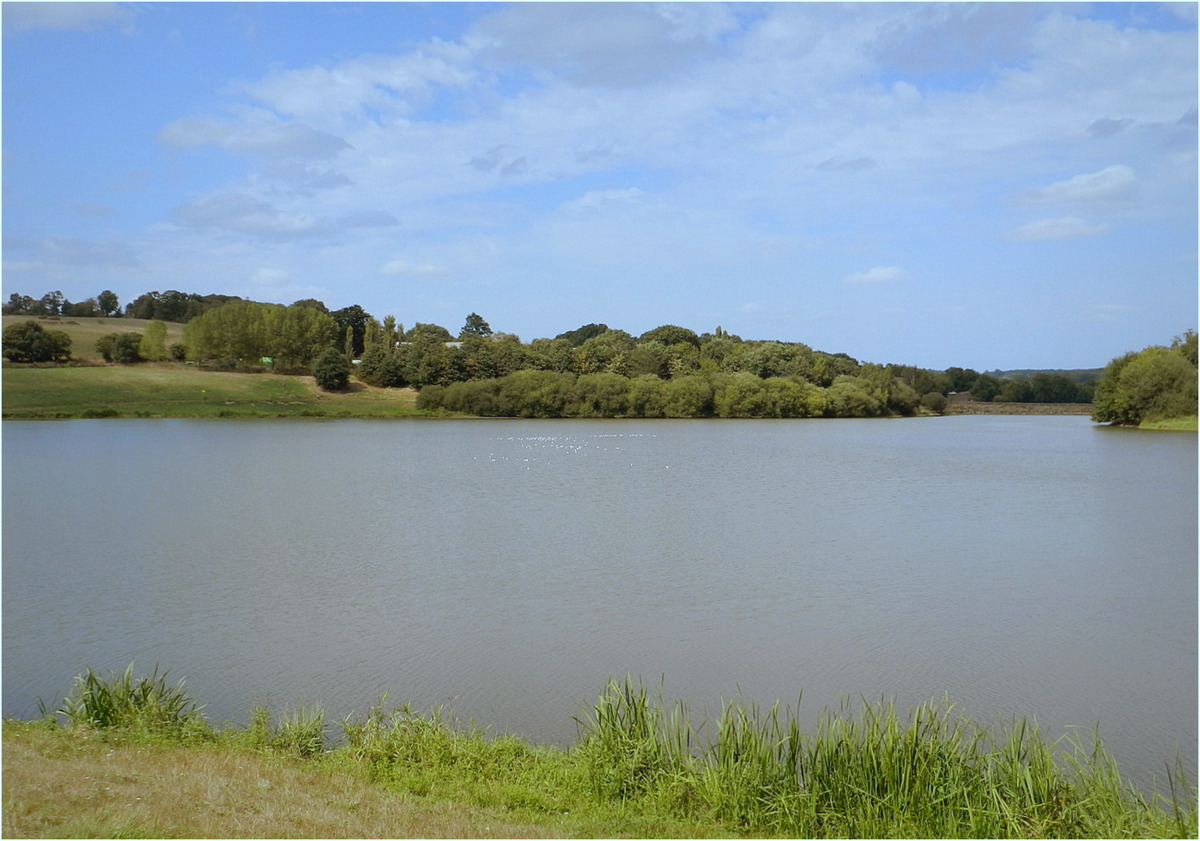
(183, 391)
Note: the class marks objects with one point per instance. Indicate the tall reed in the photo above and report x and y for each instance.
(119, 701)
(868, 772)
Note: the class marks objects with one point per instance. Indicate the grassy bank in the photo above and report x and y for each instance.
(135, 758)
(1171, 425)
(184, 391)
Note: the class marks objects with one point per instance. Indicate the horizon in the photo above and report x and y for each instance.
(1003, 186)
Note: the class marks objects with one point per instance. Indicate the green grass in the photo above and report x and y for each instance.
(185, 391)
(642, 768)
(1171, 424)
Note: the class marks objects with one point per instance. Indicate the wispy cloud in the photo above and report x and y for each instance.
(1112, 183)
(1065, 227)
(878, 274)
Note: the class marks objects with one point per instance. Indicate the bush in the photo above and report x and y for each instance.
(331, 371)
(28, 341)
(934, 402)
(120, 347)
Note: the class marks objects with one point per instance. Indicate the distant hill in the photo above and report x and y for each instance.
(1079, 375)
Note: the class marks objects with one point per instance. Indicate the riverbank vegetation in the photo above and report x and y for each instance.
(126, 757)
(591, 371)
(1155, 387)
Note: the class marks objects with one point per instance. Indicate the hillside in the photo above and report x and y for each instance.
(85, 331)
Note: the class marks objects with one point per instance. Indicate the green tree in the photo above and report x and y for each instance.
(601, 395)
(28, 341)
(853, 397)
(433, 332)
(331, 370)
(153, 346)
(475, 326)
(108, 302)
(985, 388)
(352, 323)
(669, 334)
(580, 335)
(87, 308)
(1153, 384)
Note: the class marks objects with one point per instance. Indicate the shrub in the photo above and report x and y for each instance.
(28, 341)
(331, 371)
(934, 402)
(120, 347)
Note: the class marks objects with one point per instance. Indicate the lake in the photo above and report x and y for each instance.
(1023, 566)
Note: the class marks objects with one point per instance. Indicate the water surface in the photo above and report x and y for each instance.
(1036, 566)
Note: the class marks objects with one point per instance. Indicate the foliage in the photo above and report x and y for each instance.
(173, 305)
(1153, 384)
(124, 348)
(475, 326)
(108, 302)
(244, 331)
(670, 334)
(644, 768)
(28, 341)
(331, 371)
(431, 332)
(147, 704)
(934, 402)
(299, 731)
(580, 335)
(352, 328)
(153, 346)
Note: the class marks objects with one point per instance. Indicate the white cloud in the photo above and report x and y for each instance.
(1066, 227)
(878, 274)
(1113, 183)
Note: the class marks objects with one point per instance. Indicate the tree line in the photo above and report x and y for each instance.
(669, 371)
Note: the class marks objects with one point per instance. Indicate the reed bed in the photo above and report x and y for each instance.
(642, 767)
(871, 773)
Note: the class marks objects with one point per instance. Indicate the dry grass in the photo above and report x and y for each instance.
(84, 787)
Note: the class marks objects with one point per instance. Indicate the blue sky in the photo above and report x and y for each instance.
(989, 186)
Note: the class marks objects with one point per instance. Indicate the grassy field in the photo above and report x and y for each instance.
(184, 391)
(135, 758)
(85, 331)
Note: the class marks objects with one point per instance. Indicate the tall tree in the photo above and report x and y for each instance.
(108, 302)
(153, 346)
(475, 326)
